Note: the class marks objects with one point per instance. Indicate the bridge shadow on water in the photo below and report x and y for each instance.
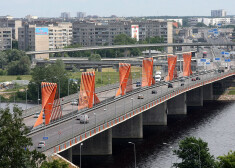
(151, 148)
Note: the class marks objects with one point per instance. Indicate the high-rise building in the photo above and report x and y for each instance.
(5, 38)
(60, 35)
(33, 38)
(65, 15)
(81, 15)
(218, 13)
(13, 24)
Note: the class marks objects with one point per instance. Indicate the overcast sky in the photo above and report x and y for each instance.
(53, 8)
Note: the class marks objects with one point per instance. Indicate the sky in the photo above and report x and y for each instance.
(53, 8)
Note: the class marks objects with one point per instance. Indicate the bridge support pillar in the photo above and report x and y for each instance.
(208, 92)
(100, 144)
(132, 128)
(177, 105)
(99, 68)
(116, 67)
(156, 115)
(195, 97)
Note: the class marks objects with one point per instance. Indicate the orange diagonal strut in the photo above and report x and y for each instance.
(147, 72)
(50, 108)
(187, 64)
(172, 71)
(87, 94)
(125, 79)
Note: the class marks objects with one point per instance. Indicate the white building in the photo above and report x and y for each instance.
(218, 13)
(216, 21)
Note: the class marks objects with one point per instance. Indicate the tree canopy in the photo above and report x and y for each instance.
(14, 145)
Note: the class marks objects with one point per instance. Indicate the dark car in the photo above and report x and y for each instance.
(182, 84)
(182, 79)
(154, 92)
(198, 78)
(138, 84)
(170, 85)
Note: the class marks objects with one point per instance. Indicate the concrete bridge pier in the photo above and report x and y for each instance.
(177, 105)
(208, 92)
(195, 97)
(100, 144)
(156, 115)
(132, 128)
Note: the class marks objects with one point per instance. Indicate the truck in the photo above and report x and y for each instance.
(157, 76)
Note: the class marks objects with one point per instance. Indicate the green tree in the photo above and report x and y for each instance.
(3, 59)
(14, 144)
(15, 55)
(94, 57)
(193, 153)
(227, 161)
(201, 25)
(55, 164)
(21, 67)
(14, 44)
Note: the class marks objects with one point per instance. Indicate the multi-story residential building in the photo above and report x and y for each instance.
(13, 24)
(103, 33)
(194, 21)
(218, 13)
(81, 15)
(65, 15)
(216, 21)
(5, 38)
(33, 38)
(60, 35)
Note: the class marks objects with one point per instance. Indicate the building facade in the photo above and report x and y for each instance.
(65, 15)
(81, 15)
(33, 38)
(103, 33)
(60, 35)
(11, 23)
(5, 38)
(218, 13)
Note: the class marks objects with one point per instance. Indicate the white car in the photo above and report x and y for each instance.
(36, 115)
(84, 118)
(74, 102)
(41, 144)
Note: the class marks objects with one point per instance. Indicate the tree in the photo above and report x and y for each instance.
(3, 60)
(193, 153)
(94, 57)
(227, 161)
(21, 67)
(55, 164)
(14, 143)
(201, 25)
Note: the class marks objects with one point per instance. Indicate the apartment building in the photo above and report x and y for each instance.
(60, 35)
(33, 38)
(5, 38)
(11, 23)
(103, 33)
(218, 13)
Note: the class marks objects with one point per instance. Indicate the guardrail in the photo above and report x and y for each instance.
(208, 76)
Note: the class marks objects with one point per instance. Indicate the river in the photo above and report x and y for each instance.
(214, 123)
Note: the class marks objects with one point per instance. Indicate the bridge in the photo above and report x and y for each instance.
(129, 46)
(123, 117)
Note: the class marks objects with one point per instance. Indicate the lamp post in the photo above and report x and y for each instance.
(134, 151)
(132, 99)
(68, 87)
(95, 118)
(199, 159)
(26, 98)
(81, 155)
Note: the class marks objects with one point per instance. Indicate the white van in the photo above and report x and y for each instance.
(157, 76)
(84, 118)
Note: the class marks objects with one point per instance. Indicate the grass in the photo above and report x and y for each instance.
(13, 77)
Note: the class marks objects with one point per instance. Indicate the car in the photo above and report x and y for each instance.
(84, 118)
(140, 96)
(41, 144)
(74, 102)
(198, 78)
(154, 92)
(193, 79)
(138, 84)
(43, 116)
(182, 84)
(170, 85)
(36, 115)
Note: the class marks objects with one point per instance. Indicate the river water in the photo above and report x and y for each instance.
(214, 123)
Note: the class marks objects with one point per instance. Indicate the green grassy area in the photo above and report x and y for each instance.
(231, 91)
(107, 76)
(13, 77)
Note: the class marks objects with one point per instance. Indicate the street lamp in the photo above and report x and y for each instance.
(132, 99)
(134, 151)
(81, 155)
(95, 118)
(198, 153)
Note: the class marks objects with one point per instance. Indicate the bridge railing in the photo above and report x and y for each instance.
(125, 108)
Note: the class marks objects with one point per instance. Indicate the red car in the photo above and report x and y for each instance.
(193, 79)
